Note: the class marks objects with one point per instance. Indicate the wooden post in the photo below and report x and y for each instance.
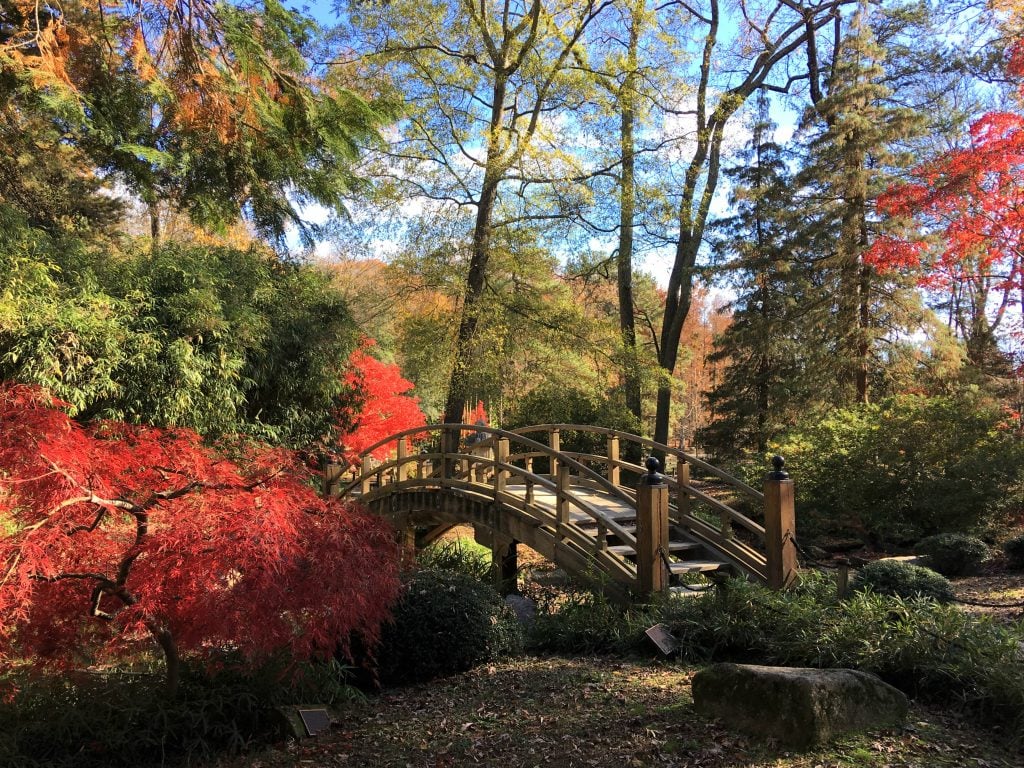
(613, 459)
(652, 530)
(500, 475)
(843, 579)
(683, 494)
(505, 564)
(561, 498)
(364, 486)
(332, 479)
(407, 541)
(556, 446)
(449, 444)
(779, 526)
(402, 470)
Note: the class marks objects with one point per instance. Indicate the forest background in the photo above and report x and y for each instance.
(736, 226)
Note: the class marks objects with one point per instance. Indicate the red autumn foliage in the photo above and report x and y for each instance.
(477, 415)
(113, 536)
(387, 408)
(972, 199)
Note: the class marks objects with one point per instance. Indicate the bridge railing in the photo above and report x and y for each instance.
(488, 469)
(705, 501)
(703, 497)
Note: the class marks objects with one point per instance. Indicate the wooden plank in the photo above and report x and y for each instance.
(695, 566)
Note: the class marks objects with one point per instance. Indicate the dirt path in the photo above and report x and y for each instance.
(569, 713)
(1004, 588)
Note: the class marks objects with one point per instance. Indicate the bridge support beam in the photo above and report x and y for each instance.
(779, 527)
(652, 531)
(504, 558)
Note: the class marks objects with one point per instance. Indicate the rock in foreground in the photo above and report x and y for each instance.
(797, 706)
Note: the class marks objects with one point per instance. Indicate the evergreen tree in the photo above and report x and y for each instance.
(768, 378)
(849, 164)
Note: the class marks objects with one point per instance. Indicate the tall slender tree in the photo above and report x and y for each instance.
(768, 377)
(848, 168)
(773, 36)
(481, 80)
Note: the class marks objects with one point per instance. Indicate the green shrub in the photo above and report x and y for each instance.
(905, 468)
(589, 623)
(898, 579)
(461, 556)
(1014, 549)
(445, 622)
(928, 649)
(113, 720)
(954, 554)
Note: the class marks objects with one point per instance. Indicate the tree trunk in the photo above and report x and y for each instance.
(627, 208)
(153, 208)
(172, 660)
(455, 403)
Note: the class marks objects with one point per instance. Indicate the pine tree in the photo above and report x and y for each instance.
(847, 167)
(767, 379)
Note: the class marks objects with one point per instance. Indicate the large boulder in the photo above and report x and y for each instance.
(798, 707)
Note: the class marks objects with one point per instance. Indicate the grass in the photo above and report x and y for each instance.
(596, 712)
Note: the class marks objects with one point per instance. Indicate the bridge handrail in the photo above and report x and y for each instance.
(538, 480)
(735, 482)
(494, 432)
(675, 485)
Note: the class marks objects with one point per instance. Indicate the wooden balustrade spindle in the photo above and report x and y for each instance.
(683, 493)
(402, 470)
(561, 495)
(364, 486)
(500, 474)
(613, 459)
(555, 442)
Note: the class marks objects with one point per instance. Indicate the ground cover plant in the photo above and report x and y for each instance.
(900, 579)
(108, 719)
(931, 650)
(954, 554)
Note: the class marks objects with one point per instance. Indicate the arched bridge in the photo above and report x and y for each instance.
(578, 496)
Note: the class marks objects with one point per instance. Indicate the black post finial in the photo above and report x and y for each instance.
(653, 476)
(779, 474)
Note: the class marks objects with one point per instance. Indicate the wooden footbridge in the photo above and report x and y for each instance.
(592, 511)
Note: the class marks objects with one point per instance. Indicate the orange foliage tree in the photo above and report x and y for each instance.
(208, 107)
(119, 537)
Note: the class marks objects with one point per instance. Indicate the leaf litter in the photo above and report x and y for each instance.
(585, 712)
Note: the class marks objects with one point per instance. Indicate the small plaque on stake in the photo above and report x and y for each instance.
(315, 720)
(662, 638)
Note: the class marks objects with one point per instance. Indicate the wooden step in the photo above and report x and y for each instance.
(627, 550)
(694, 566)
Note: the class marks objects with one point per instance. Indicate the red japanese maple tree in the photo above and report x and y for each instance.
(387, 406)
(115, 536)
(966, 209)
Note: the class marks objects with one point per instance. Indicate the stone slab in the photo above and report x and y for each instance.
(798, 707)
